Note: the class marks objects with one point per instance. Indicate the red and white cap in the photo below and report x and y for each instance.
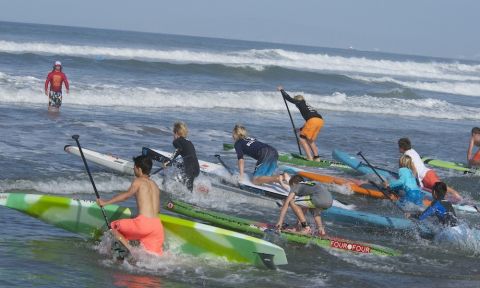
(58, 63)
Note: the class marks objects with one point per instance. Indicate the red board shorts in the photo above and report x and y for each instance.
(149, 231)
(430, 179)
(311, 128)
(476, 157)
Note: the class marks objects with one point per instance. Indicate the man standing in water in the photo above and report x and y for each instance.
(146, 227)
(55, 79)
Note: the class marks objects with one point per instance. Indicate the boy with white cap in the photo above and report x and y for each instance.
(56, 79)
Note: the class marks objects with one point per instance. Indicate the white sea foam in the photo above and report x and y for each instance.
(67, 186)
(258, 59)
(452, 87)
(132, 98)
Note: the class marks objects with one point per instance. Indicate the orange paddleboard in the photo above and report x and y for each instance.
(356, 186)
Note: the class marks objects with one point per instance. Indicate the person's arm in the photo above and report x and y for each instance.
(241, 162)
(398, 183)
(178, 150)
(241, 166)
(46, 84)
(286, 96)
(284, 210)
(67, 85)
(170, 161)
(120, 197)
(427, 213)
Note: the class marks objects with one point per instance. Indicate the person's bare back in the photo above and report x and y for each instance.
(148, 196)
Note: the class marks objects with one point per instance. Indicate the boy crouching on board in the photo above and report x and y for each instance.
(320, 198)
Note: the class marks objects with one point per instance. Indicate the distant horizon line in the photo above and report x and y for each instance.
(254, 41)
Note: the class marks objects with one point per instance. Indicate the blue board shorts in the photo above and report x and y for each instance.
(267, 164)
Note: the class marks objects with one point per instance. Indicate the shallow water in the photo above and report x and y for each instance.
(122, 100)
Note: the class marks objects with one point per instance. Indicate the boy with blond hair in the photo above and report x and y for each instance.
(185, 148)
(311, 128)
(407, 182)
(266, 156)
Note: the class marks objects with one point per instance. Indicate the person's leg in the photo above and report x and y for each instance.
(431, 178)
(188, 182)
(314, 148)
(306, 148)
(298, 211)
(318, 222)
(265, 169)
(454, 194)
(119, 237)
(266, 179)
(308, 136)
(153, 242)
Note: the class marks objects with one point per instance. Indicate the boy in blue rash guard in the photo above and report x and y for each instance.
(265, 155)
(407, 182)
(440, 207)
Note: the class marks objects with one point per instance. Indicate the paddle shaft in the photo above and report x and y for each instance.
(293, 125)
(383, 181)
(224, 164)
(370, 165)
(76, 137)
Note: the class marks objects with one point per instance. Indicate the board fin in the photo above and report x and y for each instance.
(267, 260)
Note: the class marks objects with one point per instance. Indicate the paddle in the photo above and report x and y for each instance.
(76, 137)
(383, 181)
(121, 250)
(157, 157)
(230, 171)
(293, 125)
(417, 225)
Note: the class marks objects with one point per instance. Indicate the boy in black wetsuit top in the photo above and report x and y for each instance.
(185, 148)
(265, 155)
(440, 207)
(313, 124)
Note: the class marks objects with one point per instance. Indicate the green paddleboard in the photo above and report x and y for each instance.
(261, 230)
(450, 165)
(183, 236)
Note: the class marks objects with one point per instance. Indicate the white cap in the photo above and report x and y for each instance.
(58, 63)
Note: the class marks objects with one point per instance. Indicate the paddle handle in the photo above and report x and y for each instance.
(293, 125)
(76, 137)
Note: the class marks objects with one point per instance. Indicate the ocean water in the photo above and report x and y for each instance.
(127, 89)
